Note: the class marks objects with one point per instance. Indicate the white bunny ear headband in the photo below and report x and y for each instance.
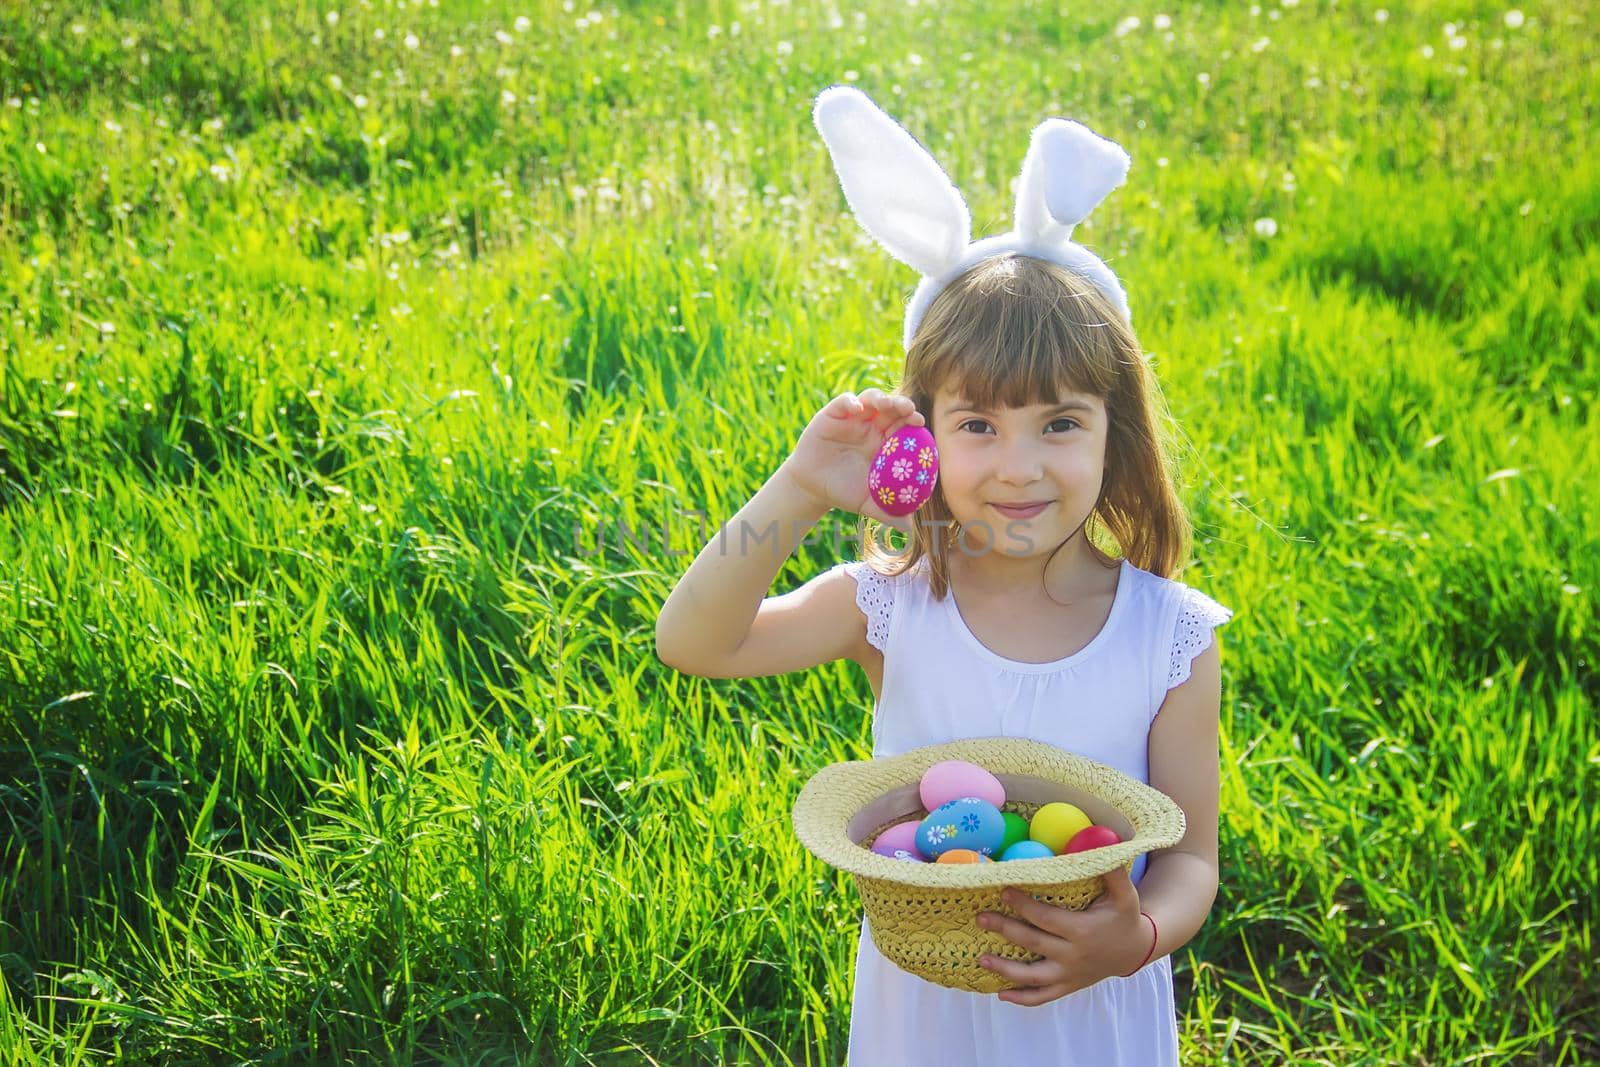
(903, 198)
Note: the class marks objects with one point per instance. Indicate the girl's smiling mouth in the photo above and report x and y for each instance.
(1025, 512)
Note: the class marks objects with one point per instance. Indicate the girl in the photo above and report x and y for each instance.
(1003, 615)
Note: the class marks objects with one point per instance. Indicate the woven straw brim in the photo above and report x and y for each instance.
(923, 916)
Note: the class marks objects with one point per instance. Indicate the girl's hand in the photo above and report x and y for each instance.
(1080, 948)
(833, 457)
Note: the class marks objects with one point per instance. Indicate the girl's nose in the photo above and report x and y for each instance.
(1019, 464)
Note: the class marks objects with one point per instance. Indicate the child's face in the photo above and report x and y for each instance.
(1037, 454)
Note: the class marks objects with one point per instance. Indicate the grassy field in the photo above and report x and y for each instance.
(334, 337)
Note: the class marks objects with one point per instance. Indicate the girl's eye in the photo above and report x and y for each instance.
(980, 422)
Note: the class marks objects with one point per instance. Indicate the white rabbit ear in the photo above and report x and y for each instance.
(896, 189)
(1069, 169)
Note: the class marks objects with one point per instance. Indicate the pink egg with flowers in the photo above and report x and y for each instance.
(904, 470)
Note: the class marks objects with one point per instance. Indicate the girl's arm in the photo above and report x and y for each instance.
(709, 612)
(707, 623)
(1110, 938)
(1180, 883)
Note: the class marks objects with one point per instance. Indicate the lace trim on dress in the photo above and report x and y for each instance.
(1198, 616)
(875, 598)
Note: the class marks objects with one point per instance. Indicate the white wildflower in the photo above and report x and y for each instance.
(1266, 227)
(1514, 19)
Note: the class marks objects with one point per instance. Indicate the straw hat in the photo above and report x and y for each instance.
(923, 916)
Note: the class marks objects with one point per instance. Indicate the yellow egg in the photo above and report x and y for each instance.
(1056, 823)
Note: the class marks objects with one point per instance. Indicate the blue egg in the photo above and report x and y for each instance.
(1027, 850)
(967, 822)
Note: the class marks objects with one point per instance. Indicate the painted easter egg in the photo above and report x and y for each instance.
(967, 822)
(1055, 824)
(1092, 837)
(1027, 850)
(963, 855)
(1016, 830)
(899, 839)
(955, 778)
(904, 470)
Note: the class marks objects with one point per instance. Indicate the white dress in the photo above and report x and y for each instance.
(940, 683)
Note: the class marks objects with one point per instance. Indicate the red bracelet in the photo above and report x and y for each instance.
(1152, 951)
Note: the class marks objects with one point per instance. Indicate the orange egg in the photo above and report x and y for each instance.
(960, 855)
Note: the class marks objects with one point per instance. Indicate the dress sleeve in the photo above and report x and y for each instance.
(1198, 615)
(875, 598)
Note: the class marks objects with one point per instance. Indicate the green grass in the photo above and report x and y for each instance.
(325, 735)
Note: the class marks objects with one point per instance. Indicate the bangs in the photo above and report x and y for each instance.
(1016, 331)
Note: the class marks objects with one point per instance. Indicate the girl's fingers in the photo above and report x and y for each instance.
(1025, 973)
(1015, 931)
(913, 419)
(1034, 997)
(892, 403)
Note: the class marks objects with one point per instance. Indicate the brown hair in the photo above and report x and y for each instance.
(1014, 331)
